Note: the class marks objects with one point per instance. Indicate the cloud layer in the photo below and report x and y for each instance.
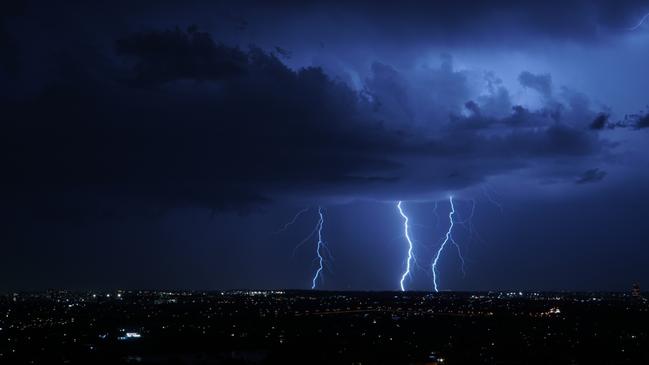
(174, 116)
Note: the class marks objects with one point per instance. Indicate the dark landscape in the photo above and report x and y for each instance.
(279, 327)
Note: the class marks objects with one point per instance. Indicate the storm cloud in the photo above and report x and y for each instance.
(176, 115)
(591, 176)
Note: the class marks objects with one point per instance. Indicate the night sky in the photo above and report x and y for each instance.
(164, 144)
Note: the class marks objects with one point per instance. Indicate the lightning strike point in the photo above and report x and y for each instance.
(405, 231)
(319, 227)
(448, 238)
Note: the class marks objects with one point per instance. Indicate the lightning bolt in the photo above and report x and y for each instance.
(467, 223)
(292, 221)
(490, 197)
(436, 215)
(405, 231)
(321, 244)
(642, 20)
(305, 240)
(448, 238)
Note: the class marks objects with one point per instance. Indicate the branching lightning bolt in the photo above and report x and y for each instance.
(459, 254)
(321, 244)
(448, 238)
(490, 197)
(436, 215)
(292, 221)
(467, 223)
(305, 240)
(642, 20)
(405, 231)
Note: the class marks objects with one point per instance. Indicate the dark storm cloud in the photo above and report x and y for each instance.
(389, 90)
(157, 129)
(503, 22)
(174, 54)
(642, 121)
(506, 21)
(599, 122)
(630, 121)
(192, 120)
(591, 176)
(173, 116)
(540, 83)
(9, 60)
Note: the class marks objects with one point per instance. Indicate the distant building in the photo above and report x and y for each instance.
(129, 336)
(635, 291)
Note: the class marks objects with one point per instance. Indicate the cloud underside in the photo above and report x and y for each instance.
(176, 117)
